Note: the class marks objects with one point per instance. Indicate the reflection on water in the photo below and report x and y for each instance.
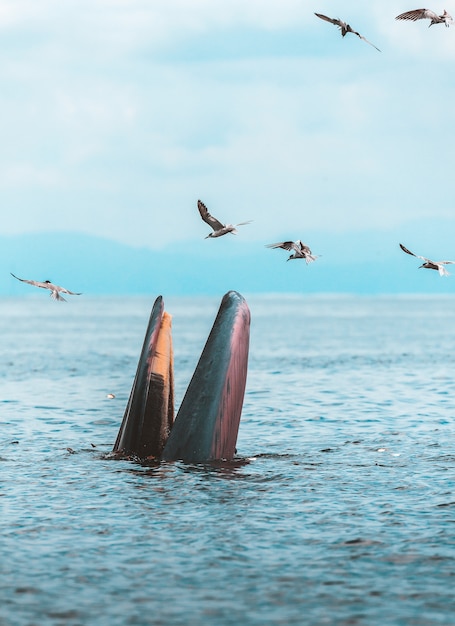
(338, 510)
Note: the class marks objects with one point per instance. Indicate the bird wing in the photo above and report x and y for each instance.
(302, 247)
(406, 250)
(243, 223)
(446, 262)
(286, 245)
(208, 219)
(362, 37)
(32, 282)
(418, 14)
(335, 21)
(71, 293)
(424, 258)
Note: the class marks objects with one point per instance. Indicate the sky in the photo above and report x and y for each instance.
(118, 115)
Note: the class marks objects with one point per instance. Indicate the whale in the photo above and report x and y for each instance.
(207, 423)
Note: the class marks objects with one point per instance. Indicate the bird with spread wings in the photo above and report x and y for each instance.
(54, 289)
(344, 28)
(300, 250)
(429, 264)
(219, 229)
(426, 14)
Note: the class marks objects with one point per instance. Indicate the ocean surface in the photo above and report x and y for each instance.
(340, 508)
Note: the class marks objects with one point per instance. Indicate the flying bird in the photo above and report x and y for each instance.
(344, 28)
(426, 14)
(300, 250)
(429, 264)
(219, 229)
(54, 289)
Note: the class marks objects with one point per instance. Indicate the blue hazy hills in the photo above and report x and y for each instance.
(368, 262)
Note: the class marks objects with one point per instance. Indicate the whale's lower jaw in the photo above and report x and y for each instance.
(149, 414)
(206, 426)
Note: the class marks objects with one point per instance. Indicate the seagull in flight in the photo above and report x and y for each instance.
(429, 264)
(219, 229)
(54, 289)
(426, 14)
(300, 250)
(344, 28)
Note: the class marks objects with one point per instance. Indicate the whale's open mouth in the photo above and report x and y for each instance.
(207, 422)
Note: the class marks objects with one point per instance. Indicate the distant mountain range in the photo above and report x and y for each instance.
(363, 263)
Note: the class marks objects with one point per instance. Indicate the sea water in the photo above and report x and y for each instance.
(339, 509)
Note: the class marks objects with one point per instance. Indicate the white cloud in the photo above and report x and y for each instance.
(104, 132)
(28, 174)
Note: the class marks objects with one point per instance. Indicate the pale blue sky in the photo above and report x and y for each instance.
(117, 115)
